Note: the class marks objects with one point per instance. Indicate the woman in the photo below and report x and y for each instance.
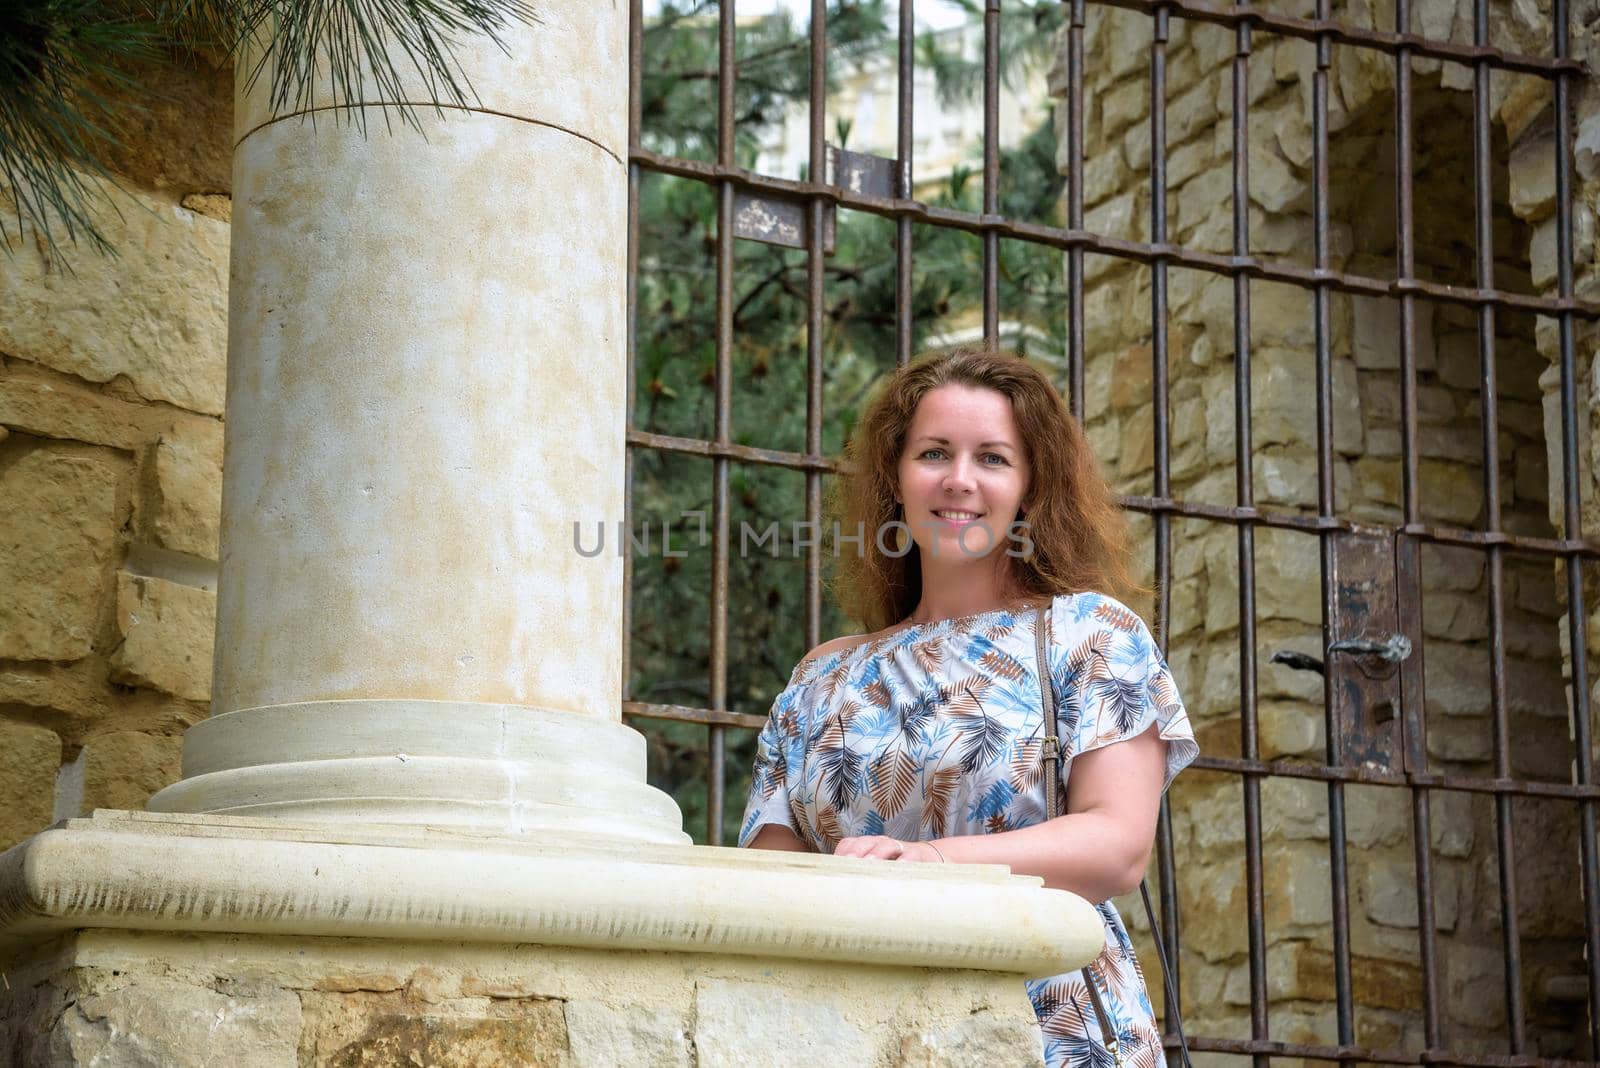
(924, 739)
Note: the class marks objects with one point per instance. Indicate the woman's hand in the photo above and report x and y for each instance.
(882, 847)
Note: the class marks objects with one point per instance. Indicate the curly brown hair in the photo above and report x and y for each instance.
(1079, 532)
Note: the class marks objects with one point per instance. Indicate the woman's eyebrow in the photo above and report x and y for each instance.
(981, 444)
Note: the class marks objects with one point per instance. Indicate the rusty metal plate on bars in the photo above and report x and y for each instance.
(1365, 682)
(862, 172)
(778, 220)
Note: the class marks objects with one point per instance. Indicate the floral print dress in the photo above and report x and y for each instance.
(937, 730)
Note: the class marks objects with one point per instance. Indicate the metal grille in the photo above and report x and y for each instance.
(1350, 582)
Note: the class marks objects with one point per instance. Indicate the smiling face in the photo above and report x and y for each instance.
(963, 474)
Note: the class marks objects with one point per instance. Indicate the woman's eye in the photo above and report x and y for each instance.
(993, 459)
(932, 454)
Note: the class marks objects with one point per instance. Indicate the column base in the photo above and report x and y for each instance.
(285, 943)
(508, 769)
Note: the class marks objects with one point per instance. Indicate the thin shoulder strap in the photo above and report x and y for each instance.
(1047, 694)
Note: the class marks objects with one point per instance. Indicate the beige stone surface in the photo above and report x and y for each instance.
(159, 1021)
(337, 1001)
(155, 314)
(58, 540)
(408, 450)
(212, 873)
(121, 769)
(740, 1023)
(47, 404)
(174, 136)
(184, 500)
(599, 1033)
(562, 71)
(29, 758)
(166, 632)
(363, 1028)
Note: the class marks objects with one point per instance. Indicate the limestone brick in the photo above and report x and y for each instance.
(740, 1023)
(1375, 333)
(1285, 410)
(1287, 580)
(166, 1022)
(1542, 259)
(155, 314)
(1123, 105)
(1189, 160)
(1274, 183)
(979, 1039)
(175, 139)
(1190, 113)
(29, 759)
(167, 632)
(368, 1028)
(1209, 193)
(1302, 971)
(1289, 730)
(1136, 448)
(1121, 38)
(1392, 902)
(183, 506)
(212, 205)
(58, 540)
(1451, 492)
(1532, 170)
(59, 406)
(1122, 217)
(601, 1034)
(122, 769)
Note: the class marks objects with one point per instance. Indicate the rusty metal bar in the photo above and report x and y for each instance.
(630, 378)
(1373, 1055)
(743, 453)
(1279, 769)
(1324, 28)
(991, 169)
(1489, 400)
(814, 323)
(716, 764)
(1134, 251)
(1572, 515)
(1075, 207)
(905, 186)
(1166, 861)
(1411, 491)
(688, 714)
(1337, 870)
(1244, 493)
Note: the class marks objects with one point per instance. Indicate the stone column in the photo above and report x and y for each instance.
(425, 391)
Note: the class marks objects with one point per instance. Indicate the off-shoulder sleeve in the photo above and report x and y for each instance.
(780, 749)
(1112, 682)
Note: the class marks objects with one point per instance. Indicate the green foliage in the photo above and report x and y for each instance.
(676, 353)
(59, 60)
(56, 59)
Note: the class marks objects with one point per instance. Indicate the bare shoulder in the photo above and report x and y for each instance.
(842, 644)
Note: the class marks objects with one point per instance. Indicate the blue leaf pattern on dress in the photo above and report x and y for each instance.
(936, 730)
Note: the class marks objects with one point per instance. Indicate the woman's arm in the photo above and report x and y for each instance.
(1098, 850)
(773, 836)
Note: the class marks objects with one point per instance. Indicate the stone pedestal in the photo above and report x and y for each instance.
(144, 938)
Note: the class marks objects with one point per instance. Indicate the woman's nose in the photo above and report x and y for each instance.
(959, 478)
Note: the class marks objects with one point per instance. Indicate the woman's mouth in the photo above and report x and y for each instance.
(956, 516)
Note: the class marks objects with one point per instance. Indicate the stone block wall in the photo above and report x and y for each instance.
(1204, 636)
(112, 375)
(271, 1002)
